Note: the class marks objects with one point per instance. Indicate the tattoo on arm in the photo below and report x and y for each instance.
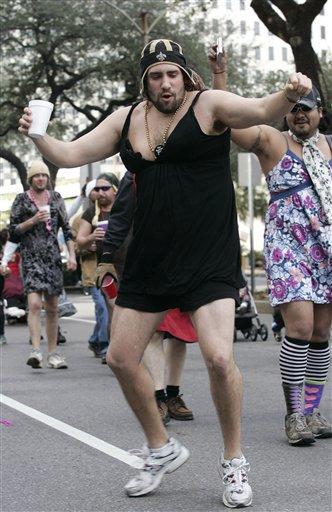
(257, 141)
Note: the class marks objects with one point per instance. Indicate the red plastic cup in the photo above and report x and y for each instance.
(109, 286)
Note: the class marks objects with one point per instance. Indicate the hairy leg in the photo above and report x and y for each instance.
(214, 323)
(299, 318)
(322, 322)
(131, 331)
(175, 359)
(154, 360)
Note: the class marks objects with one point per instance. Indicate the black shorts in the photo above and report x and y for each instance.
(205, 293)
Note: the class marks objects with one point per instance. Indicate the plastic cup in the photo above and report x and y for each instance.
(41, 113)
(45, 208)
(109, 286)
(102, 224)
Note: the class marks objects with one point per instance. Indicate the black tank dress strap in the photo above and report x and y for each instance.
(196, 98)
(127, 121)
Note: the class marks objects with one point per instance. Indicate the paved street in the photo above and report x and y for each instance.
(48, 466)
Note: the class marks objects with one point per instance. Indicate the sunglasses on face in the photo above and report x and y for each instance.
(105, 188)
(302, 108)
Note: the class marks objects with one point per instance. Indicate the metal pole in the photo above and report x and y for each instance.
(251, 224)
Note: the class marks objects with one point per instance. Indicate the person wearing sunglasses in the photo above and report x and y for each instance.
(91, 232)
(297, 164)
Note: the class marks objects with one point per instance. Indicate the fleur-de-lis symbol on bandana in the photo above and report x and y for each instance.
(161, 56)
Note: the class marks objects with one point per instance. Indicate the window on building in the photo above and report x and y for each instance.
(12, 180)
(229, 27)
(271, 53)
(244, 50)
(2, 182)
(322, 32)
(215, 26)
(257, 53)
(243, 27)
(324, 55)
(284, 53)
(242, 5)
(256, 28)
(229, 5)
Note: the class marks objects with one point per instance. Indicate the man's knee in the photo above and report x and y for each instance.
(117, 360)
(321, 332)
(302, 329)
(221, 363)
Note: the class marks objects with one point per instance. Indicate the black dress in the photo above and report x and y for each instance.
(185, 225)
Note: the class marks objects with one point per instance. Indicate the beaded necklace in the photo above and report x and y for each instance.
(158, 149)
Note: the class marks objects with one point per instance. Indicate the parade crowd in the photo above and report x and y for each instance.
(165, 238)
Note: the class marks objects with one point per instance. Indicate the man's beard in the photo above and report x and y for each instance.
(38, 188)
(104, 201)
(169, 108)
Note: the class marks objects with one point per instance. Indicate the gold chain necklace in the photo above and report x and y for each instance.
(158, 149)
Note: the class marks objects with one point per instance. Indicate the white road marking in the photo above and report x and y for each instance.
(94, 442)
(77, 319)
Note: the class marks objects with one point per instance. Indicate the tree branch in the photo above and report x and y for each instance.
(271, 18)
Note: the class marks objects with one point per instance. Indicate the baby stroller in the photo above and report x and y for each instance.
(247, 320)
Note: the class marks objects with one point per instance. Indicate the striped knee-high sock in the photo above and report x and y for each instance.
(293, 362)
(316, 375)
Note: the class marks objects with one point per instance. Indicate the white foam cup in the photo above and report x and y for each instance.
(45, 208)
(41, 113)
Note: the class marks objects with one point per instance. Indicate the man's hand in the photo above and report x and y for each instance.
(40, 216)
(217, 68)
(72, 263)
(297, 85)
(25, 121)
(102, 270)
(98, 234)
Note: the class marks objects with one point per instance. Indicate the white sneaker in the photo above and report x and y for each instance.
(56, 361)
(35, 359)
(238, 492)
(3, 339)
(157, 463)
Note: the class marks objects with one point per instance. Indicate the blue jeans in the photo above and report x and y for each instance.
(100, 332)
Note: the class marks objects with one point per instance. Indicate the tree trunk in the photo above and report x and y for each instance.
(296, 31)
(17, 163)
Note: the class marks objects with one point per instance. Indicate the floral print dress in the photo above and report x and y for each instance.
(41, 258)
(296, 248)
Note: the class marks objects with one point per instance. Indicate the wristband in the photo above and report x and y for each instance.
(219, 72)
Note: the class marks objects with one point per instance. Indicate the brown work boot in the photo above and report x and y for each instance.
(178, 410)
(163, 411)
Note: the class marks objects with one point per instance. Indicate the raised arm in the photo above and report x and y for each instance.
(96, 145)
(266, 142)
(237, 112)
(218, 69)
